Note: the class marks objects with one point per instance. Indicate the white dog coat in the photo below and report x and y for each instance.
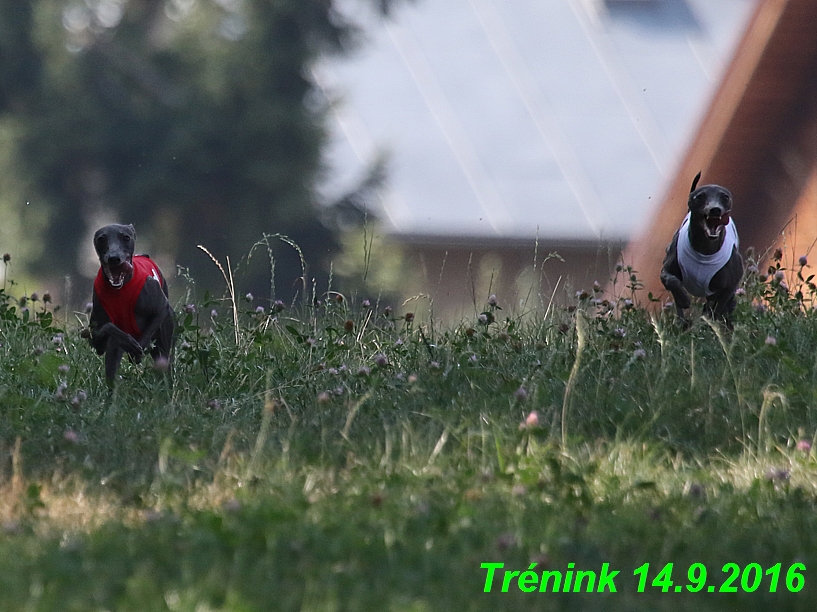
(697, 269)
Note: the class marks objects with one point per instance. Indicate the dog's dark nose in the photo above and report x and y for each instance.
(114, 260)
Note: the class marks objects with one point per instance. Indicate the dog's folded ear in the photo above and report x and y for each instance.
(133, 229)
(695, 182)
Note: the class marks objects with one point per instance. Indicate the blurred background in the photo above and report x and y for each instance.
(438, 147)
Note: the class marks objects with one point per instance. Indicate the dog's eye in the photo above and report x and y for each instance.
(125, 238)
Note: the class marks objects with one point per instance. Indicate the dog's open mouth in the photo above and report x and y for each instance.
(117, 275)
(714, 225)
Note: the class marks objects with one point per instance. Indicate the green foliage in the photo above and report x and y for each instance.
(345, 456)
(171, 115)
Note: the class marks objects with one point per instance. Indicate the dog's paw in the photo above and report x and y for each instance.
(682, 299)
(133, 348)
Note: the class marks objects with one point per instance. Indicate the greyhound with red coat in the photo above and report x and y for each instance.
(131, 313)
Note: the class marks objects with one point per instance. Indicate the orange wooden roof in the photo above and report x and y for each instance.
(758, 138)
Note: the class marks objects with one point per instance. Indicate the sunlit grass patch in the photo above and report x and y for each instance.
(348, 455)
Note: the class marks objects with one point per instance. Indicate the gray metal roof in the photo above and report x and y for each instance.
(517, 118)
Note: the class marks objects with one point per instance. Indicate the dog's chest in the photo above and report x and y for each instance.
(120, 304)
(697, 269)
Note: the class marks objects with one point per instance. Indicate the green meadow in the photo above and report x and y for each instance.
(343, 454)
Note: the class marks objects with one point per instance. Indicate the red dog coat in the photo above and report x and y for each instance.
(120, 304)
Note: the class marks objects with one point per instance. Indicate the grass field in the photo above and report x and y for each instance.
(346, 456)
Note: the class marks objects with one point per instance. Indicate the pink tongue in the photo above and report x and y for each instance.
(118, 274)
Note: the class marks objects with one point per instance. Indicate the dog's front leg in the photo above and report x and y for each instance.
(149, 333)
(113, 355)
(721, 305)
(127, 343)
(680, 296)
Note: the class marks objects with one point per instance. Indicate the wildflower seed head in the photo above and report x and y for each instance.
(310, 342)
(189, 309)
(752, 269)
(505, 541)
(803, 446)
(771, 341)
(259, 310)
(387, 311)
(71, 436)
(249, 297)
(214, 404)
(492, 300)
(363, 371)
(89, 307)
(366, 304)
(349, 325)
(63, 369)
(23, 301)
(412, 378)
(640, 354)
(740, 292)
(381, 360)
(6, 258)
(470, 331)
(521, 394)
(777, 474)
(803, 261)
(161, 363)
(34, 297)
(779, 275)
(324, 397)
(532, 420)
(213, 313)
(696, 491)
(59, 394)
(483, 319)
(778, 254)
(409, 317)
(434, 365)
(596, 287)
(628, 304)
